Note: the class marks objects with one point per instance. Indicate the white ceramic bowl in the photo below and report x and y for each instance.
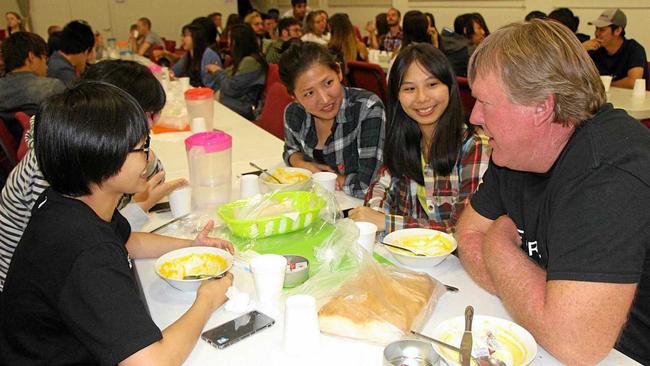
(274, 185)
(190, 285)
(417, 261)
(519, 345)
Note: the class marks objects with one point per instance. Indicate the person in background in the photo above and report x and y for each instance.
(393, 39)
(53, 29)
(53, 43)
(343, 42)
(270, 25)
(216, 18)
(146, 38)
(25, 86)
(254, 19)
(377, 31)
(535, 14)
(330, 127)
(455, 45)
(77, 44)
(198, 42)
(299, 10)
(26, 182)
(14, 23)
(433, 157)
(287, 28)
(566, 17)
(433, 31)
(100, 49)
(624, 59)
(475, 30)
(558, 229)
(241, 85)
(316, 30)
(85, 297)
(416, 30)
(275, 14)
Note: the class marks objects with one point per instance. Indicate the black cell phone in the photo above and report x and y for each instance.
(160, 207)
(237, 329)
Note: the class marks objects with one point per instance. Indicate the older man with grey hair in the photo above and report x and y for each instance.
(559, 229)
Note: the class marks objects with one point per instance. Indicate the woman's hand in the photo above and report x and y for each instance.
(367, 214)
(370, 27)
(202, 239)
(213, 68)
(340, 182)
(156, 190)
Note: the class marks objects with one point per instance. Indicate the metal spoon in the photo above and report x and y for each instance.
(402, 248)
(265, 171)
(202, 276)
(481, 361)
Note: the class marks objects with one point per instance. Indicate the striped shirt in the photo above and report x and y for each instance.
(445, 196)
(23, 187)
(355, 147)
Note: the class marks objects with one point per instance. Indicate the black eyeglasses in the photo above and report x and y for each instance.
(145, 147)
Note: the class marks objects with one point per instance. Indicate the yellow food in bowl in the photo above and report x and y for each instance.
(192, 265)
(286, 176)
(429, 245)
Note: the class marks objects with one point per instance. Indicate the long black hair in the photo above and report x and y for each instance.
(203, 33)
(416, 28)
(402, 147)
(244, 43)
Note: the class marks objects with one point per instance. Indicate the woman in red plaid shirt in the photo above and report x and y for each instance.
(433, 158)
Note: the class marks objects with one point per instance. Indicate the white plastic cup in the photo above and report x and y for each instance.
(180, 201)
(325, 179)
(639, 88)
(249, 185)
(301, 329)
(268, 275)
(198, 125)
(367, 235)
(607, 81)
(185, 83)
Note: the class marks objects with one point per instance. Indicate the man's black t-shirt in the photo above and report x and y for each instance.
(631, 54)
(70, 297)
(588, 217)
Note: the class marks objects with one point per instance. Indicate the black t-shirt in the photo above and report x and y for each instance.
(588, 218)
(630, 55)
(70, 297)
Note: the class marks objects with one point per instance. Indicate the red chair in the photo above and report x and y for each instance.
(170, 46)
(272, 118)
(23, 119)
(369, 76)
(272, 77)
(8, 148)
(153, 48)
(466, 97)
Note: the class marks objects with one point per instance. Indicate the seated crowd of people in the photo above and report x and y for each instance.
(544, 184)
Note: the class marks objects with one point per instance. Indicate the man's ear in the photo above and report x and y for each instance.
(545, 110)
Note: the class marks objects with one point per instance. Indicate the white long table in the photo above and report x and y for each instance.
(166, 304)
(637, 107)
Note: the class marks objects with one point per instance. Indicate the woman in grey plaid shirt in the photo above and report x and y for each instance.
(330, 127)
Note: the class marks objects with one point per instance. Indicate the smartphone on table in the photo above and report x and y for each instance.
(237, 329)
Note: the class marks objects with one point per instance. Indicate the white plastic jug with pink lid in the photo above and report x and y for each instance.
(210, 162)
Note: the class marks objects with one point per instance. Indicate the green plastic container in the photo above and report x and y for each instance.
(307, 204)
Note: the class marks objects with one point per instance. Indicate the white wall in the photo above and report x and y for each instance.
(114, 17)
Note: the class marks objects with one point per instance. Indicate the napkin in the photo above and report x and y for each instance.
(239, 302)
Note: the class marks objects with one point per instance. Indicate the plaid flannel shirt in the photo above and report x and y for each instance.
(355, 147)
(392, 42)
(446, 196)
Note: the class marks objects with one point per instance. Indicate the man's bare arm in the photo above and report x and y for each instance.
(470, 233)
(628, 81)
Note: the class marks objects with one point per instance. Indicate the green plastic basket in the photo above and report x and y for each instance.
(307, 204)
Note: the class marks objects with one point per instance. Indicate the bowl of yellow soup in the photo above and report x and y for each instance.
(296, 178)
(174, 266)
(433, 244)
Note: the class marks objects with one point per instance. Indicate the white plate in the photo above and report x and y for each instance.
(418, 261)
(515, 339)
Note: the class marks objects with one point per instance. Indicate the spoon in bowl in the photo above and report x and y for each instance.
(481, 361)
(265, 171)
(403, 248)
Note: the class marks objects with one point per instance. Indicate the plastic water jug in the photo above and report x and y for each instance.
(210, 162)
(200, 103)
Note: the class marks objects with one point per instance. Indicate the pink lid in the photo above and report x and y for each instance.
(199, 93)
(154, 68)
(210, 141)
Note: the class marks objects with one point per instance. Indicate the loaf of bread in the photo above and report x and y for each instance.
(377, 305)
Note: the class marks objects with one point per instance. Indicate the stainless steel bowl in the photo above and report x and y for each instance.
(410, 352)
(296, 278)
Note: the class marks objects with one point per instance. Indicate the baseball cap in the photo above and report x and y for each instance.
(609, 17)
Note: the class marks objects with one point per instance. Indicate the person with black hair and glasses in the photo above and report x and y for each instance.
(433, 158)
(330, 127)
(26, 182)
(77, 43)
(70, 280)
